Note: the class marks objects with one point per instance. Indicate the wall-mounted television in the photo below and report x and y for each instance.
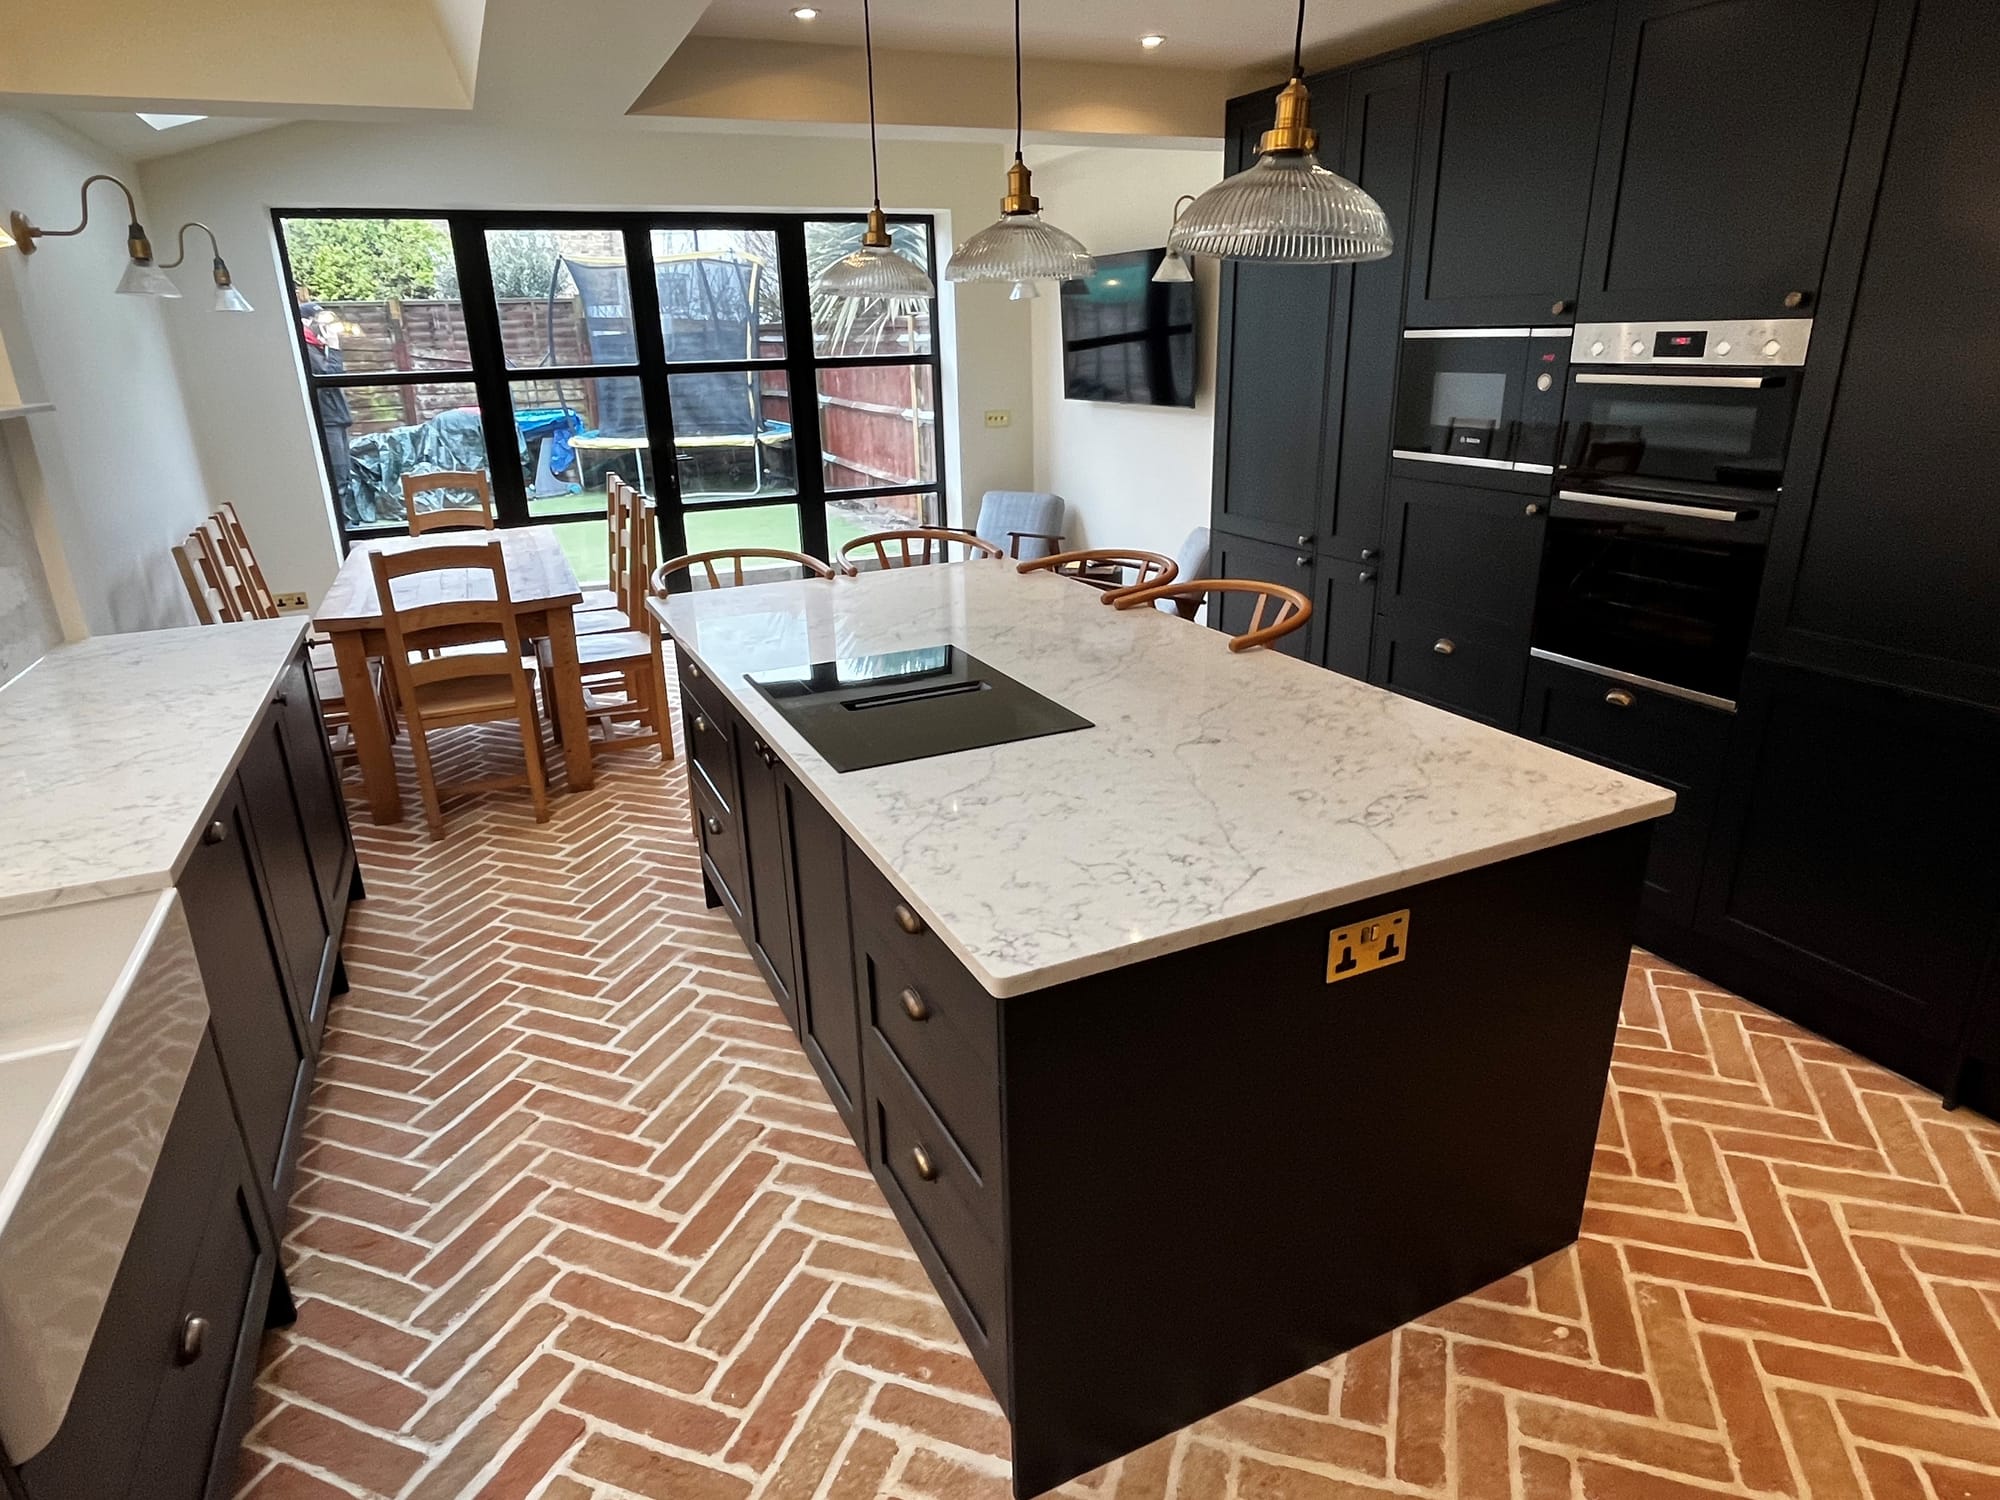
(1127, 337)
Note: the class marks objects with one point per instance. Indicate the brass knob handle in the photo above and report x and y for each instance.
(1304, 560)
(1619, 698)
(1304, 541)
(1531, 509)
(713, 825)
(1370, 554)
(693, 670)
(701, 723)
(215, 833)
(1367, 575)
(194, 1333)
(279, 700)
(1797, 299)
(926, 1168)
(908, 920)
(1557, 309)
(1445, 646)
(914, 1005)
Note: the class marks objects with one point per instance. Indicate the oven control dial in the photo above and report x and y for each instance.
(1545, 381)
(1598, 347)
(1724, 347)
(1638, 346)
(1773, 347)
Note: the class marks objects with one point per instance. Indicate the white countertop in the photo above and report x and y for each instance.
(1216, 794)
(112, 749)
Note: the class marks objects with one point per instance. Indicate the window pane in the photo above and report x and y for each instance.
(573, 434)
(750, 526)
(878, 426)
(848, 519)
(563, 296)
(733, 435)
(377, 434)
(719, 294)
(377, 294)
(588, 550)
(873, 325)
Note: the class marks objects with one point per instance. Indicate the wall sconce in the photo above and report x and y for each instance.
(142, 278)
(227, 298)
(1173, 265)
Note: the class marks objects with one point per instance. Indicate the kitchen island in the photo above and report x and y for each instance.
(1191, 1047)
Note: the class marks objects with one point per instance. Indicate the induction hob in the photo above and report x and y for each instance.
(868, 711)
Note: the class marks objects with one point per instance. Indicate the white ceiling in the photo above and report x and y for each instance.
(1199, 33)
(135, 140)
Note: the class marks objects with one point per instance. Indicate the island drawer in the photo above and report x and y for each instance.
(950, 1210)
(708, 746)
(1454, 661)
(721, 840)
(696, 688)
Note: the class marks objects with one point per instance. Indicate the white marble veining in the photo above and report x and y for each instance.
(101, 1013)
(111, 750)
(1217, 792)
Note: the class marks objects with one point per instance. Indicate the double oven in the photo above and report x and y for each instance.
(1666, 446)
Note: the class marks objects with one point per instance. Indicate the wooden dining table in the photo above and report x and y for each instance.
(544, 589)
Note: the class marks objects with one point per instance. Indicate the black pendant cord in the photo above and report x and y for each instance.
(874, 151)
(1017, 80)
(1298, 43)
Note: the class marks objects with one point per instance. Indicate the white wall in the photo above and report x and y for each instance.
(1133, 475)
(28, 622)
(243, 387)
(118, 474)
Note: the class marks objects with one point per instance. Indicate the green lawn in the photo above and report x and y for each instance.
(707, 531)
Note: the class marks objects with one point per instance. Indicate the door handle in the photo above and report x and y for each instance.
(194, 1333)
(1304, 560)
(701, 723)
(713, 825)
(1445, 646)
(215, 833)
(1305, 541)
(908, 920)
(1370, 554)
(1531, 509)
(926, 1168)
(914, 1005)
(1619, 698)
(1367, 575)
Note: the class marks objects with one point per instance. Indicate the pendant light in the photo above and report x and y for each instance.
(1287, 207)
(876, 269)
(1019, 247)
(1173, 265)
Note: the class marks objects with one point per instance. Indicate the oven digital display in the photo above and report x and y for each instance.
(1692, 345)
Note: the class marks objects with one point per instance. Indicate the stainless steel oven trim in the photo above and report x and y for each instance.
(1699, 382)
(1470, 333)
(1656, 507)
(1453, 458)
(1686, 695)
(1549, 333)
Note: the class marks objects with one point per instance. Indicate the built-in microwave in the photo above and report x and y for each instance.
(1486, 398)
(1682, 409)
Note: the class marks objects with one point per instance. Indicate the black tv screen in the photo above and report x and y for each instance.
(1127, 337)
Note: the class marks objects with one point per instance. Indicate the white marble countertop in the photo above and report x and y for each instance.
(112, 749)
(1216, 794)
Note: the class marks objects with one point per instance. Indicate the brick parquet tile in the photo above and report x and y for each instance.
(574, 1221)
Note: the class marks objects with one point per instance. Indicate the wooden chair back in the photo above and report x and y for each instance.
(643, 542)
(259, 588)
(618, 501)
(733, 560)
(218, 572)
(207, 605)
(933, 544)
(454, 517)
(1290, 609)
(1093, 565)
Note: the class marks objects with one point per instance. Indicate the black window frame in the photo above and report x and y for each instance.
(492, 380)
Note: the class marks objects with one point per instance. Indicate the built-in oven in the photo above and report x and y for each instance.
(1487, 398)
(1681, 409)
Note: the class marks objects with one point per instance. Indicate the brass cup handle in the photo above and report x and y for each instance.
(1797, 299)
(1619, 698)
(1370, 554)
(1531, 509)
(713, 825)
(926, 1168)
(1557, 309)
(215, 833)
(701, 723)
(194, 1333)
(908, 920)
(1445, 647)
(915, 1006)
(1305, 541)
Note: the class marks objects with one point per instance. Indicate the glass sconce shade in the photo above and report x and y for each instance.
(144, 279)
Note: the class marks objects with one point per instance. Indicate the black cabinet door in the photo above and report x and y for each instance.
(1854, 850)
(1886, 558)
(1503, 188)
(156, 1411)
(272, 778)
(766, 848)
(259, 1037)
(316, 785)
(1724, 141)
(1452, 661)
(1463, 549)
(1265, 562)
(1273, 324)
(1343, 626)
(1381, 155)
(829, 1013)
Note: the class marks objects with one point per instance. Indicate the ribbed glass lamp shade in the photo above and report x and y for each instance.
(1285, 208)
(1020, 247)
(1174, 267)
(144, 279)
(874, 271)
(228, 299)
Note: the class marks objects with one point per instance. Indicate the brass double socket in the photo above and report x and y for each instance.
(1367, 946)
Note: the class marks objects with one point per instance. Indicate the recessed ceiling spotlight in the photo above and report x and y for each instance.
(805, 13)
(1151, 40)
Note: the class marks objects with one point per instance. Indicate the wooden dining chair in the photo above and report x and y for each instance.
(451, 688)
(1293, 609)
(190, 564)
(258, 587)
(217, 580)
(456, 516)
(624, 674)
(733, 560)
(609, 609)
(1115, 570)
(934, 544)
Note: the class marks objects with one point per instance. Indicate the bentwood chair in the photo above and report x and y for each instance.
(624, 675)
(733, 560)
(1292, 608)
(933, 545)
(455, 514)
(1115, 570)
(443, 689)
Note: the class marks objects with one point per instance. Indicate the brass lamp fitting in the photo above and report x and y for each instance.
(1292, 134)
(876, 236)
(1020, 198)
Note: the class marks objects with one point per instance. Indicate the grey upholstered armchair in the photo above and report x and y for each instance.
(1027, 523)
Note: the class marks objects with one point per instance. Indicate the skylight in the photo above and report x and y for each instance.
(168, 122)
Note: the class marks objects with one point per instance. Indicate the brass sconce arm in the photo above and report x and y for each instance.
(25, 232)
(181, 245)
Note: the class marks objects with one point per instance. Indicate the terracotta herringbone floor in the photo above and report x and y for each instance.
(573, 1220)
